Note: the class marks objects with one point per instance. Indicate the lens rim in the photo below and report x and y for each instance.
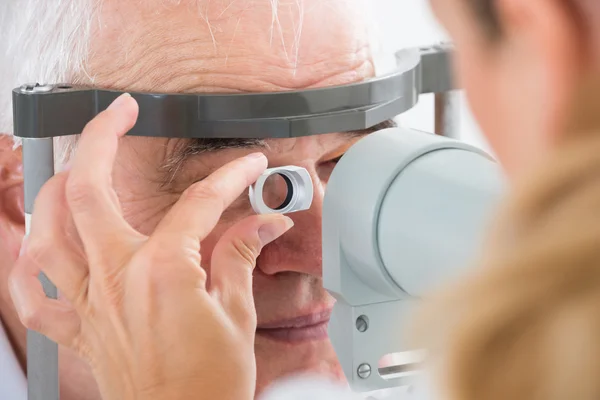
(299, 191)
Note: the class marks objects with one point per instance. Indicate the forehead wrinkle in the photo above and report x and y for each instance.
(153, 45)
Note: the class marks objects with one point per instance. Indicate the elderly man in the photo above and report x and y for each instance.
(190, 46)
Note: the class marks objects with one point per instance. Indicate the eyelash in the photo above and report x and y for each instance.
(336, 160)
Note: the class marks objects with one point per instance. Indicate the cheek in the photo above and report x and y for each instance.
(490, 99)
(475, 80)
(502, 100)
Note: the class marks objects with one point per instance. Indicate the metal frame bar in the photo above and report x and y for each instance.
(42, 353)
(55, 110)
(447, 114)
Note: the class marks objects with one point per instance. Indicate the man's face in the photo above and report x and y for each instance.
(229, 46)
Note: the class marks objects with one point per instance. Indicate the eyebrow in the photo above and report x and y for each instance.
(194, 147)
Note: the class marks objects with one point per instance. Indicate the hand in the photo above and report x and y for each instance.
(137, 308)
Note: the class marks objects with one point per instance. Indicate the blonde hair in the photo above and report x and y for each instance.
(526, 324)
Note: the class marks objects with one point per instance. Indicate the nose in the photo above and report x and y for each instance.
(299, 250)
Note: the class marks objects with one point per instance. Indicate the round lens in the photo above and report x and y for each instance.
(277, 191)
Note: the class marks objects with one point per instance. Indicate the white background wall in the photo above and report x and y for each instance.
(410, 23)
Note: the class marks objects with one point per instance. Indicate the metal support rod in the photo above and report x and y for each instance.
(42, 353)
(447, 114)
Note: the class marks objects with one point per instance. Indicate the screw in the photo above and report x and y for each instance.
(36, 88)
(362, 323)
(364, 371)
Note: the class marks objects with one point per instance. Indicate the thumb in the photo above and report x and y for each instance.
(234, 258)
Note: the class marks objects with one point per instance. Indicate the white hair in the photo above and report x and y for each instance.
(41, 41)
(47, 41)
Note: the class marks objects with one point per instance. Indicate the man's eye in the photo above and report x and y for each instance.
(327, 168)
(336, 160)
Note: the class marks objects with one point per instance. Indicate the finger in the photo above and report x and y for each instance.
(200, 207)
(53, 245)
(89, 191)
(50, 317)
(233, 261)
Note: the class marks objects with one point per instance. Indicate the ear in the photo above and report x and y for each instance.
(552, 37)
(12, 215)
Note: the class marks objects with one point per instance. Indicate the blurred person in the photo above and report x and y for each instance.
(526, 324)
(190, 46)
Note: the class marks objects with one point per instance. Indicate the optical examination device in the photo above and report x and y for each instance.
(403, 212)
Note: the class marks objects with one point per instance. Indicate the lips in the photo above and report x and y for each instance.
(306, 328)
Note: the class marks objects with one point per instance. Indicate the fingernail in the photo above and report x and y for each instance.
(274, 229)
(255, 156)
(119, 101)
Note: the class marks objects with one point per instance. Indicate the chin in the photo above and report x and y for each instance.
(277, 360)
